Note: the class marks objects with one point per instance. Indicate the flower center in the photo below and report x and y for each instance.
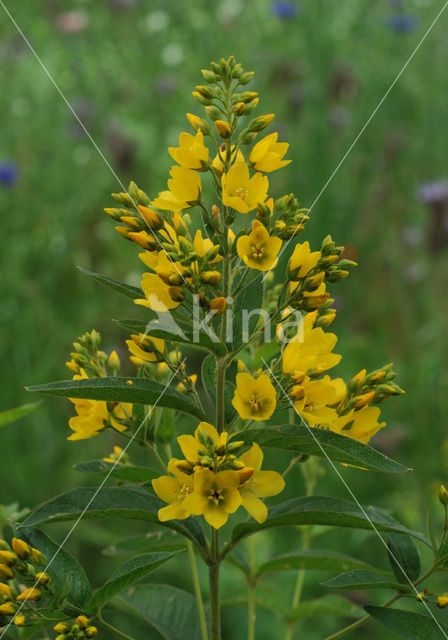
(257, 251)
(242, 193)
(215, 496)
(256, 402)
(185, 490)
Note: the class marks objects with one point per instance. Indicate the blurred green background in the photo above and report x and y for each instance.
(127, 67)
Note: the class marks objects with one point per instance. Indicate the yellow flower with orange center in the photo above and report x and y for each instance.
(242, 192)
(255, 398)
(173, 490)
(313, 400)
(214, 496)
(259, 250)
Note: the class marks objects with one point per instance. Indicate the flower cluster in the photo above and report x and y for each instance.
(22, 582)
(212, 481)
(93, 416)
(79, 630)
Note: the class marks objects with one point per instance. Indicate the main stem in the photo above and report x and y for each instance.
(215, 605)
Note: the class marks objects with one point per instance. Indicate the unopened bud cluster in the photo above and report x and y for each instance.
(21, 564)
(79, 630)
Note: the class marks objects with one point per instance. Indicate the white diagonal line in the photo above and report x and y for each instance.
(95, 494)
(358, 504)
(106, 161)
(369, 120)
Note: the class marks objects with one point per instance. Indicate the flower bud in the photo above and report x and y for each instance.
(32, 593)
(223, 128)
(442, 601)
(19, 620)
(5, 572)
(6, 591)
(91, 632)
(8, 608)
(211, 277)
(209, 76)
(82, 622)
(213, 112)
(218, 305)
(151, 217)
(363, 399)
(261, 122)
(114, 362)
(41, 577)
(198, 123)
(38, 557)
(61, 627)
(8, 557)
(443, 495)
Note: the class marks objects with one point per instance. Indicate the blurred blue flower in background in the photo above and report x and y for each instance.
(9, 174)
(283, 9)
(402, 22)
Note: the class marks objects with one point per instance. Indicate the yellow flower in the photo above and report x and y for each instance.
(267, 154)
(21, 548)
(241, 192)
(255, 398)
(202, 245)
(303, 259)
(214, 496)
(19, 620)
(173, 490)
(218, 164)
(312, 404)
(261, 484)
(184, 190)
(144, 347)
(311, 349)
(32, 593)
(190, 445)
(191, 152)
(259, 250)
(90, 420)
(120, 416)
(360, 425)
(158, 295)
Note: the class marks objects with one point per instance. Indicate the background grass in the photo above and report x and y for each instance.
(128, 68)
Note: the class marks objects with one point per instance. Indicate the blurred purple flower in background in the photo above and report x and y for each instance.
(9, 173)
(283, 9)
(402, 22)
(435, 195)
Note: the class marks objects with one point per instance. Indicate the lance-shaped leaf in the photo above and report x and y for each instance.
(147, 542)
(64, 569)
(128, 473)
(359, 580)
(11, 415)
(130, 572)
(134, 390)
(176, 331)
(321, 510)
(404, 557)
(127, 502)
(321, 443)
(247, 311)
(408, 625)
(328, 606)
(171, 611)
(125, 289)
(313, 560)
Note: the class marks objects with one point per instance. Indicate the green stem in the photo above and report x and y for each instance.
(215, 605)
(113, 629)
(251, 586)
(197, 590)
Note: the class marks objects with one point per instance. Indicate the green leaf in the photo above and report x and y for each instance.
(129, 473)
(321, 510)
(134, 390)
(404, 557)
(328, 606)
(63, 568)
(130, 572)
(339, 448)
(359, 580)
(127, 502)
(248, 300)
(171, 611)
(11, 415)
(208, 374)
(146, 542)
(267, 597)
(408, 625)
(180, 333)
(314, 559)
(125, 289)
